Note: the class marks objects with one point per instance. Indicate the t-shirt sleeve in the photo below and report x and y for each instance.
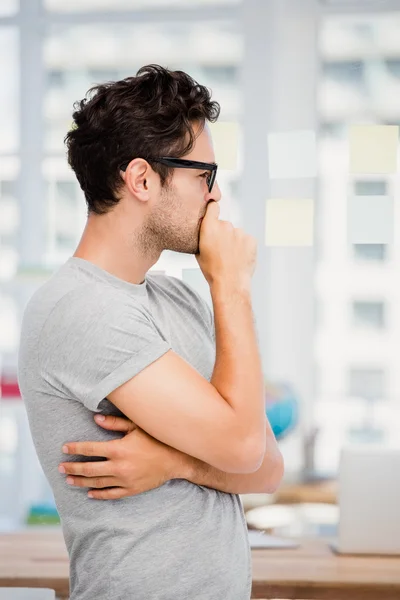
(94, 341)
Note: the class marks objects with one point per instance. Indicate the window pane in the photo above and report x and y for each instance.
(369, 314)
(369, 252)
(370, 188)
(8, 7)
(75, 61)
(96, 5)
(9, 89)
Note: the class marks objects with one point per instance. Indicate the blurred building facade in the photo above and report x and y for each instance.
(357, 366)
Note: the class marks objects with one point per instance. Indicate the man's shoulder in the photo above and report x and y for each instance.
(79, 306)
(187, 296)
(179, 285)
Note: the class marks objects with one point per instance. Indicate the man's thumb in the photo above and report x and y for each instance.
(115, 423)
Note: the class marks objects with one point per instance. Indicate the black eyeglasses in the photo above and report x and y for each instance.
(181, 163)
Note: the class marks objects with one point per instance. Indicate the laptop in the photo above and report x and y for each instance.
(369, 500)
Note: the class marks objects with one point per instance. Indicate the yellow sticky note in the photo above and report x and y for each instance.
(225, 137)
(373, 148)
(289, 222)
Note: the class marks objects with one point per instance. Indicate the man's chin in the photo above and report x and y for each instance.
(187, 250)
(194, 250)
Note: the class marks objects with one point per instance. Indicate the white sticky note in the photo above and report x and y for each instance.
(370, 220)
(289, 222)
(292, 154)
(225, 136)
(373, 148)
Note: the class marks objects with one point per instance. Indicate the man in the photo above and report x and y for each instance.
(105, 336)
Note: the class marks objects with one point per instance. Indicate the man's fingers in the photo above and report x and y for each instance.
(114, 493)
(115, 423)
(106, 449)
(212, 211)
(88, 469)
(94, 482)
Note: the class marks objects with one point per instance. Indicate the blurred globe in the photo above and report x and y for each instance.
(281, 408)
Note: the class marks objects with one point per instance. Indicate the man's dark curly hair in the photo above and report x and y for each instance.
(149, 115)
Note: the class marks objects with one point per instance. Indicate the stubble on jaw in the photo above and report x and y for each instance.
(163, 229)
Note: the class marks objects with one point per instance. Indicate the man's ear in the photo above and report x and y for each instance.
(136, 178)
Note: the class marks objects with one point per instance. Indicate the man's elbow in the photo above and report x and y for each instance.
(276, 470)
(251, 456)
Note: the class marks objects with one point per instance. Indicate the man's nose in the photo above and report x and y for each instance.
(215, 193)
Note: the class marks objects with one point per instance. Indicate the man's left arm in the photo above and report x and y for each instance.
(138, 463)
(264, 481)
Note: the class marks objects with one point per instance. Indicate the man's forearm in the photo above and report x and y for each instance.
(238, 374)
(232, 483)
(263, 481)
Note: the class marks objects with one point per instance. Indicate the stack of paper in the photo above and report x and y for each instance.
(259, 539)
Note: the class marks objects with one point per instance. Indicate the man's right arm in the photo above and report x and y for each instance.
(221, 423)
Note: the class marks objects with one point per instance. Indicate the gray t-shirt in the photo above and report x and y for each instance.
(85, 333)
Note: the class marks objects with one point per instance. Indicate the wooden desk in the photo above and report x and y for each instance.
(313, 492)
(39, 559)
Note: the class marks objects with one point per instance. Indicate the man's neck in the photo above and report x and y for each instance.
(128, 267)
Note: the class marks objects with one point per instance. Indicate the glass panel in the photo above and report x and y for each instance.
(9, 89)
(75, 62)
(8, 7)
(370, 252)
(100, 5)
(370, 188)
(369, 314)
